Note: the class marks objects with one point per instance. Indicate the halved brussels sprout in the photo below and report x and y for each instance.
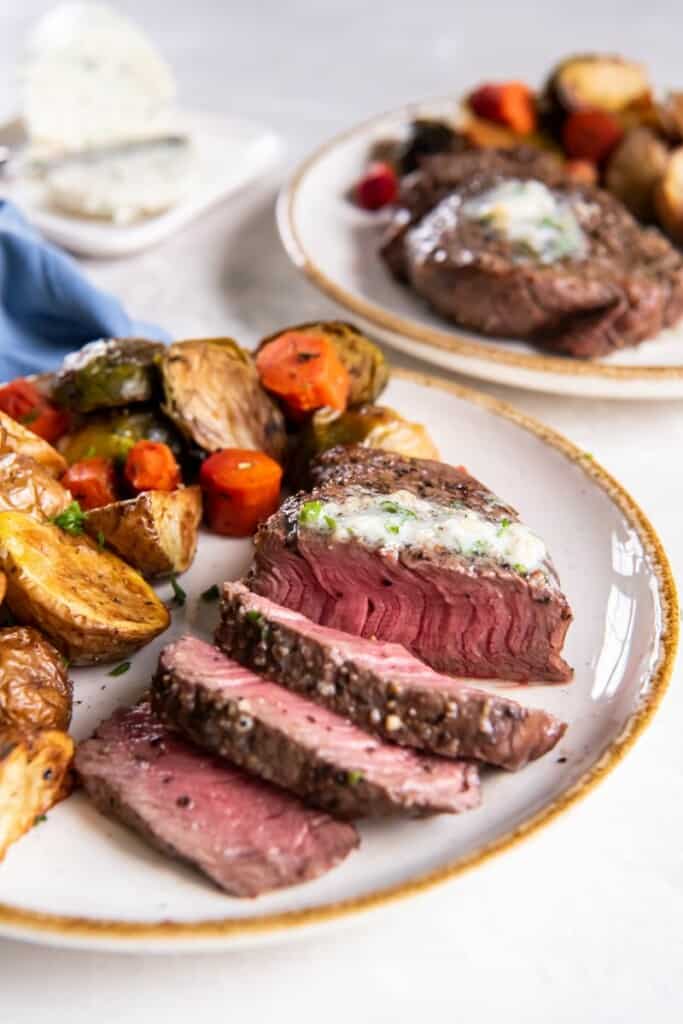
(213, 395)
(108, 373)
(364, 361)
(373, 426)
(113, 434)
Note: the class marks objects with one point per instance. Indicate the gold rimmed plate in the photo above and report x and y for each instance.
(80, 880)
(335, 245)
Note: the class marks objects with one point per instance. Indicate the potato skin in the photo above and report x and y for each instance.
(634, 169)
(669, 196)
(35, 691)
(26, 486)
(16, 438)
(156, 532)
(35, 773)
(597, 81)
(88, 602)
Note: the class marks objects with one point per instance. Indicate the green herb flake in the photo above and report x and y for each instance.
(253, 615)
(39, 819)
(521, 569)
(310, 512)
(71, 519)
(354, 777)
(392, 528)
(587, 455)
(329, 522)
(504, 525)
(211, 594)
(394, 509)
(90, 452)
(179, 595)
(100, 539)
(120, 669)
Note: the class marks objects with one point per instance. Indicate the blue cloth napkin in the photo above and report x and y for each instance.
(47, 307)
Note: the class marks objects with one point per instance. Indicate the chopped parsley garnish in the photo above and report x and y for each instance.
(211, 594)
(480, 547)
(120, 669)
(310, 512)
(521, 569)
(354, 777)
(504, 525)
(71, 519)
(394, 509)
(179, 595)
(100, 539)
(329, 522)
(39, 819)
(253, 615)
(587, 455)
(90, 451)
(392, 527)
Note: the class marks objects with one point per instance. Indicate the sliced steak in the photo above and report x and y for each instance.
(294, 743)
(247, 836)
(621, 285)
(380, 686)
(465, 607)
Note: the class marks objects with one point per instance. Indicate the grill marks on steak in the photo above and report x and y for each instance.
(288, 740)
(462, 615)
(380, 686)
(627, 288)
(247, 836)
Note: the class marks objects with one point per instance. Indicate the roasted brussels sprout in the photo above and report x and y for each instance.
(669, 196)
(108, 373)
(35, 691)
(213, 395)
(113, 434)
(35, 773)
(427, 137)
(156, 532)
(597, 82)
(634, 168)
(15, 438)
(365, 362)
(373, 426)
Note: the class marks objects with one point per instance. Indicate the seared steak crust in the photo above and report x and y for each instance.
(625, 289)
(380, 686)
(463, 615)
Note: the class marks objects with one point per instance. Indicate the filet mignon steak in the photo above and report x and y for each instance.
(575, 272)
(294, 743)
(380, 686)
(247, 836)
(418, 553)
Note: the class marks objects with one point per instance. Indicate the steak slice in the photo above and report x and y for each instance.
(380, 686)
(464, 610)
(294, 743)
(622, 286)
(247, 836)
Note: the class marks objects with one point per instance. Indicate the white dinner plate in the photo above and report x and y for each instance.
(230, 153)
(79, 879)
(335, 244)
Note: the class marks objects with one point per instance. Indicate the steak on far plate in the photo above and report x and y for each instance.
(286, 739)
(381, 686)
(247, 836)
(418, 553)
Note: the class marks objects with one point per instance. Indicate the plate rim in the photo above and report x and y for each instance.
(36, 926)
(382, 318)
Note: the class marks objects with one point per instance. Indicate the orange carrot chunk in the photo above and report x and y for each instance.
(92, 482)
(240, 488)
(508, 103)
(304, 371)
(24, 403)
(591, 135)
(151, 466)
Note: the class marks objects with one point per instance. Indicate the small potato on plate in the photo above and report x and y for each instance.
(26, 486)
(14, 437)
(35, 690)
(156, 532)
(669, 196)
(88, 602)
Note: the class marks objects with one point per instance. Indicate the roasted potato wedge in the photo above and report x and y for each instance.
(89, 603)
(373, 426)
(598, 82)
(34, 775)
(16, 438)
(35, 690)
(670, 117)
(214, 397)
(365, 362)
(634, 169)
(25, 486)
(156, 532)
(668, 197)
(108, 373)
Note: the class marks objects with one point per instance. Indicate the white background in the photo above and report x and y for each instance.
(583, 923)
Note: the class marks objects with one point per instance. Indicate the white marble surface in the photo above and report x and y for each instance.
(585, 921)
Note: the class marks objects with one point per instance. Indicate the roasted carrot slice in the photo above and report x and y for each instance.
(24, 403)
(92, 482)
(240, 488)
(305, 372)
(151, 466)
(508, 103)
(591, 135)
